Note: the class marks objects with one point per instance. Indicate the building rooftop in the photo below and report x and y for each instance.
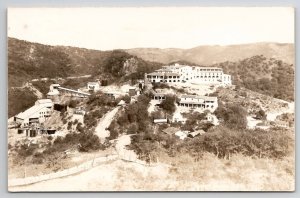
(199, 97)
(43, 101)
(92, 83)
(163, 74)
(171, 130)
(29, 112)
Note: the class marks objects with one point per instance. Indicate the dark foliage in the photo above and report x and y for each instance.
(221, 141)
(233, 116)
(31, 60)
(43, 86)
(267, 76)
(169, 104)
(100, 99)
(91, 118)
(20, 100)
(134, 119)
(261, 115)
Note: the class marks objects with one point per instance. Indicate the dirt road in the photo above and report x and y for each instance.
(104, 123)
(124, 153)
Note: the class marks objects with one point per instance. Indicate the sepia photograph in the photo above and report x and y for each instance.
(111, 99)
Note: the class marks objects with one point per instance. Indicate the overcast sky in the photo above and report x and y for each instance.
(165, 27)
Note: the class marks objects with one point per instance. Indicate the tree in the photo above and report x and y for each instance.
(261, 115)
(233, 116)
(169, 104)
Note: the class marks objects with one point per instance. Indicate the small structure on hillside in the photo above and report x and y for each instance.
(177, 117)
(212, 119)
(35, 114)
(198, 102)
(196, 133)
(171, 130)
(112, 94)
(280, 123)
(182, 134)
(93, 86)
(160, 121)
(79, 111)
(121, 103)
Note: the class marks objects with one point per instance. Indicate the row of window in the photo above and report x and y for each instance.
(167, 81)
(209, 69)
(165, 77)
(207, 76)
(44, 116)
(195, 105)
(47, 112)
(206, 101)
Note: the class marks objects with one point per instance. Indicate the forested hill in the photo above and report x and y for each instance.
(265, 75)
(27, 60)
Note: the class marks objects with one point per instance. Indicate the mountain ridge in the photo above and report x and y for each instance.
(212, 54)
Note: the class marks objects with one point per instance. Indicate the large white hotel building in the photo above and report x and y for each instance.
(193, 74)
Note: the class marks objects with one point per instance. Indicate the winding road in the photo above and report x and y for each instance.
(104, 123)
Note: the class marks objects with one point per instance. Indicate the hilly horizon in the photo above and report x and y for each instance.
(269, 71)
(202, 54)
(213, 54)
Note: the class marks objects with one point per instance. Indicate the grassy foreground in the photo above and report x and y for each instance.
(180, 174)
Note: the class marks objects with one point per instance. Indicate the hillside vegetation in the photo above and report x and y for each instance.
(20, 100)
(268, 76)
(32, 60)
(27, 61)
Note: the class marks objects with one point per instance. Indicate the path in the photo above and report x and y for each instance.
(104, 123)
(123, 153)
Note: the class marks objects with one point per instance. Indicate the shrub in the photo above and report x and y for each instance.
(132, 129)
(261, 115)
(233, 116)
(126, 99)
(26, 150)
(38, 158)
(100, 99)
(79, 127)
(75, 122)
(70, 125)
(89, 141)
(73, 103)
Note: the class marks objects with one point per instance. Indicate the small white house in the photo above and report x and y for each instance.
(182, 134)
(158, 121)
(53, 91)
(177, 117)
(93, 86)
(212, 119)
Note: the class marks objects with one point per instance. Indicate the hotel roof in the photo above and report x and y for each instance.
(93, 83)
(163, 74)
(199, 97)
